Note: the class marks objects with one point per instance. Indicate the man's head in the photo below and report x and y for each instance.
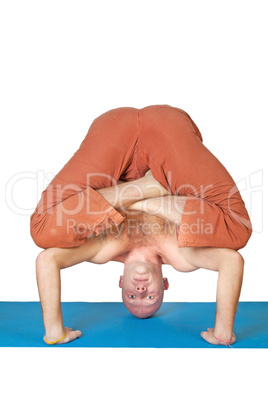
(142, 288)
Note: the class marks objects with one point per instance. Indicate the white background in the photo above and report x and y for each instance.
(64, 63)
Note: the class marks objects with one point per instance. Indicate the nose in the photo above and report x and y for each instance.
(141, 288)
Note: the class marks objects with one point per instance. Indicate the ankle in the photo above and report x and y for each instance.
(223, 335)
(54, 333)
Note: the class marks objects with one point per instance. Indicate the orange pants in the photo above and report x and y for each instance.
(122, 144)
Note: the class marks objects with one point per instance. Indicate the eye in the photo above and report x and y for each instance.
(150, 297)
(131, 296)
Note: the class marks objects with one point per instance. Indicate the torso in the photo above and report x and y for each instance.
(142, 230)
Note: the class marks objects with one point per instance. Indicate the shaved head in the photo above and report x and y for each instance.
(143, 309)
(143, 288)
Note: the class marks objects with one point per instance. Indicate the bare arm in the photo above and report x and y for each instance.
(48, 265)
(230, 280)
(230, 265)
(51, 261)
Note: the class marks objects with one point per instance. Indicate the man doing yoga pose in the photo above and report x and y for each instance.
(143, 190)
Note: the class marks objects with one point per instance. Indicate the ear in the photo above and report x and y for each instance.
(121, 281)
(166, 284)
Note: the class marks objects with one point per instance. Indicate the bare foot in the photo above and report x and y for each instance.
(69, 336)
(210, 338)
(151, 182)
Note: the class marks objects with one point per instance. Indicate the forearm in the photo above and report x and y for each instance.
(230, 267)
(49, 287)
(228, 292)
(123, 195)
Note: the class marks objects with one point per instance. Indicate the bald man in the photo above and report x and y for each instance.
(186, 212)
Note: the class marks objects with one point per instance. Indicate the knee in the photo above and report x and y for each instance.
(41, 240)
(43, 235)
(38, 240)
(37, 226)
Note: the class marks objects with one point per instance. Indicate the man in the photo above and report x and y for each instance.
(186, 212)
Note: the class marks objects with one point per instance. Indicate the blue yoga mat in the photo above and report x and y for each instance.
(175, 325)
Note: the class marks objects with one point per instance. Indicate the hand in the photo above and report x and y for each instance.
(209, 337)
(70, 336)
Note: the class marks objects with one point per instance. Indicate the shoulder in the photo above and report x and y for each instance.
(179, 263)
(109, 247)
(175, 255)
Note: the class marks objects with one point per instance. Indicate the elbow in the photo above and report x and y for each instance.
(46, 259)
(234, 259)
(240, 263)
(238, 259)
